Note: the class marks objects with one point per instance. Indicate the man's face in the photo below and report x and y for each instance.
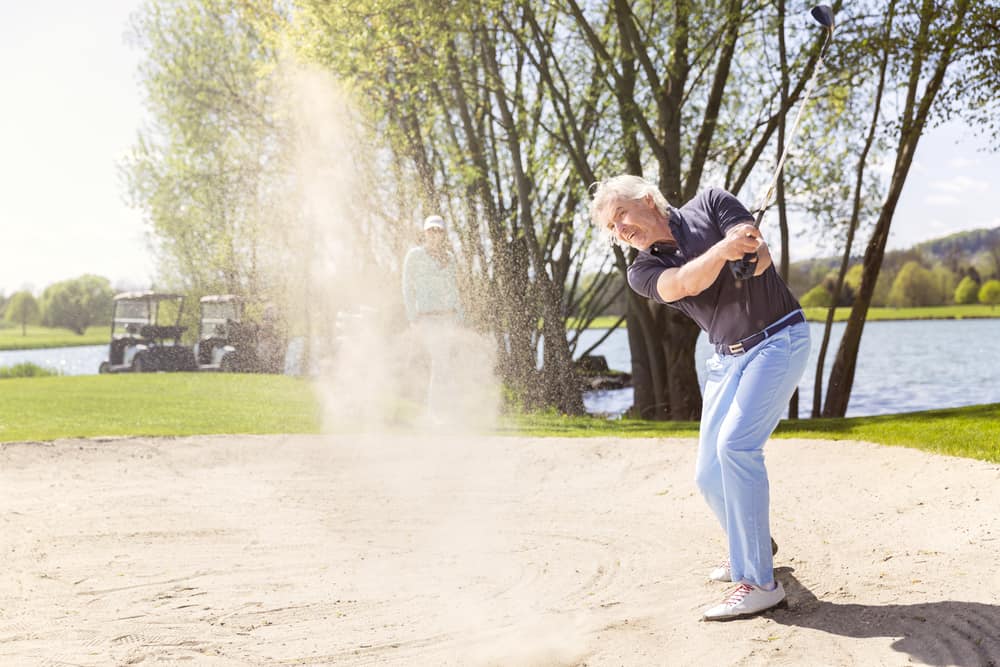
(434, 237)
(636, 222)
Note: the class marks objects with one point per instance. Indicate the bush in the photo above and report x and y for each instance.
(25, 369)
(967, 291)
(915, 286)
(817, 297)
(989, 293)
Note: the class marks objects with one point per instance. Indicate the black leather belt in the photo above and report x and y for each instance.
(750, 341)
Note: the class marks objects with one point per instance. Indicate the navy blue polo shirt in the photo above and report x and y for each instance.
(728, 311)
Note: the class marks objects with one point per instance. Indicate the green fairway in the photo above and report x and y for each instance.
(154, 404)
(175, 404)
(35, 337)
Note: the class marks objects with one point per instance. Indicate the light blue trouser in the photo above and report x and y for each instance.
(744, 398)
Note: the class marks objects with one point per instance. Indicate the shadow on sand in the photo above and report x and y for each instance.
(966, 634)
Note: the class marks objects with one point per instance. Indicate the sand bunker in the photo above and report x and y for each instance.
(400, 550)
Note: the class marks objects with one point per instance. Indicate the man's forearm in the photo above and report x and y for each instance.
(693, 278)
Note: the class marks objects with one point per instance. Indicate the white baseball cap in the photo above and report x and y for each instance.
(434, 222)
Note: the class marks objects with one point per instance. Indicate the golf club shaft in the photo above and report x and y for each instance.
(810, 86)
(745, 267)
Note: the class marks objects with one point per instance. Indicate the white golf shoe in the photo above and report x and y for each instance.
(721, 573)
(746, 600)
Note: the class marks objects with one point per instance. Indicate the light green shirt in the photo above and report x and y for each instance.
(429, 287)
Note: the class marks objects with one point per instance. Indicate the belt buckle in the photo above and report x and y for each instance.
(736, 349)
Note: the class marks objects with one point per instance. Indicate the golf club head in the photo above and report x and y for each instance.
(823, 15)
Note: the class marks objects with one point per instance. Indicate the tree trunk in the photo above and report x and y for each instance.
(914, 120)
(855, 218)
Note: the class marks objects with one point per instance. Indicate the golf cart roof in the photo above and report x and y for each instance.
(222, 298)
(147, 296)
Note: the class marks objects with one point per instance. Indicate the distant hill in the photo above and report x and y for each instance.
(978, 248)
(963, 244)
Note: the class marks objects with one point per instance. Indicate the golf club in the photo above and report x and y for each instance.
(744, 268)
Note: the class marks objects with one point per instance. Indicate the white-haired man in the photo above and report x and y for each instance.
(761, 345)
(433, 307)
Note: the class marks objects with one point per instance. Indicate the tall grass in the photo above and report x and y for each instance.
(25, 369)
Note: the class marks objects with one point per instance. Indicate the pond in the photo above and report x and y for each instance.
(903, 366)
(79, 360)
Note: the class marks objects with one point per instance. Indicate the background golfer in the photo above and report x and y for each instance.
(434, 309)
(761, 347)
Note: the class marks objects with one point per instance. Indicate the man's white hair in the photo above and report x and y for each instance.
(619, 188)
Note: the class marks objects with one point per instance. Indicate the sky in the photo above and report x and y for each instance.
(72, 109)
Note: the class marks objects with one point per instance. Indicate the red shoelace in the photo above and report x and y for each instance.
(737, 595)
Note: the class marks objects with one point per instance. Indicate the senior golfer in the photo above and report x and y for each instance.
(761, 345)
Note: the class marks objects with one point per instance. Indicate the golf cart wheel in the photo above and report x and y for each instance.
(105, 367)
(229, 364)
(140, 364)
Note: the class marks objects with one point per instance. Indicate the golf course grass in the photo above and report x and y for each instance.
(36, 338)
(971, 432)
(47, 408)
(177, 404)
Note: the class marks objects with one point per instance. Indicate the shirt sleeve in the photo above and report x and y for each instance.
(642, 277)
(726, 209)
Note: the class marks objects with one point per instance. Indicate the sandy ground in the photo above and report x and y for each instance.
(506, 551)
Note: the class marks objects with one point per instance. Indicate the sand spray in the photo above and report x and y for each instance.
(338, 254)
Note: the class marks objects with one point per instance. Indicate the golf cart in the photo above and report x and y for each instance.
(140, 343)
(229, 342)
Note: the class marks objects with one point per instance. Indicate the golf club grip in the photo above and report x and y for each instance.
(744, 268)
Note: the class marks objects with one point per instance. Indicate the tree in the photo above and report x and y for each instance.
(967, 291)
(22, 308)
(817, 297)
(197, 168)
(989, 293)
(945, 280)
(914, 286)
(931, 43)
(77, 304)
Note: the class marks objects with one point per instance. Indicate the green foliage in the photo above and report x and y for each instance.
(817, 297)
(946, 281)
(22, 309)
(989, 293)
(967, 291)
(25, 369)
(914, 286)
(77, 304)
(883, 285)
(196, 169)
(853, 277)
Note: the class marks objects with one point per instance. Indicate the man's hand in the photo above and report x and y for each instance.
(743, 239)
